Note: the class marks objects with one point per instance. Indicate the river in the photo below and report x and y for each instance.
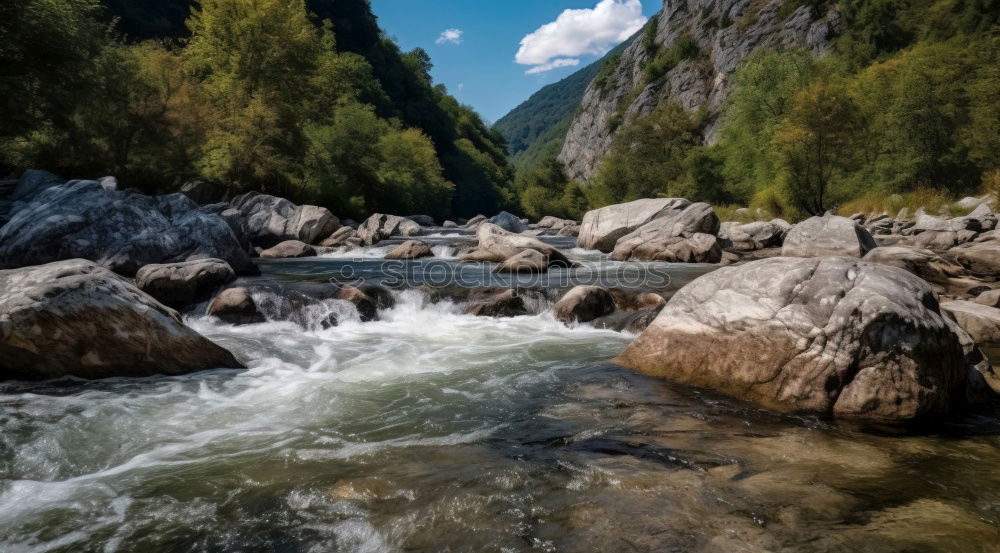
(431, 431)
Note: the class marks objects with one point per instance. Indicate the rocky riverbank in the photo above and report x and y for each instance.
(865, 317)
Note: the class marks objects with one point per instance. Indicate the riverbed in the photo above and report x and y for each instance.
(431, 430)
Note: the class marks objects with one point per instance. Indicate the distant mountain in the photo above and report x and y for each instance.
(534, 130)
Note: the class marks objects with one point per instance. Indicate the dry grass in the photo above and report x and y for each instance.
(931, 200)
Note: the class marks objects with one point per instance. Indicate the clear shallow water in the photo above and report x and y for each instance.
(435, 431)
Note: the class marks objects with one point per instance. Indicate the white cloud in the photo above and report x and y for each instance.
(578, 32)
(558, 62)
(453, 36)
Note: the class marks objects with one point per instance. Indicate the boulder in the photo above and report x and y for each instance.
(344, 236)
(555, 223)
(626, 300)
(366, 306)
(122, 231)
(570, 230)
(422, 220)
(411, 249)
(528, 261)
(989, 297)
(829, 235)
(450, 225)
(584, 304)
(835, 336)
(504, 304)
(979, 258)
(235, 306)
(508, 222)
(497, 245)
(32, 183)
(942, 240)
(272, 220)
(601, 228)
(181, 284)
(475, 221)
(923, 263)
(686, 235)
(751, 236)
(289, 249)
(76, 318)
(378, 227)
(699, 248)
(982, 322)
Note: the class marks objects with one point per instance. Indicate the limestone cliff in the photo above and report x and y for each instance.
(725, 31)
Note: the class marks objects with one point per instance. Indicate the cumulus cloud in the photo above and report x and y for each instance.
(558, 62)
(578, 32)
(452, 36)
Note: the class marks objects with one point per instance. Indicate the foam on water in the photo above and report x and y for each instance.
(425, 375)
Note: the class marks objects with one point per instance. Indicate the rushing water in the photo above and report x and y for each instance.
(435, 431)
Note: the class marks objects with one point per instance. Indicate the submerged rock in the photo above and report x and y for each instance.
(584, 304)
(833, 336)
(528, 261)
(235, 306)
(75, 318)
(503, 304)
(180, 284)
(828, 235)
(122, 231)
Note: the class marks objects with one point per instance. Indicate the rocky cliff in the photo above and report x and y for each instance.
(725, 32)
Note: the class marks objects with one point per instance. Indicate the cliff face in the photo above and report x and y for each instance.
(725, 31)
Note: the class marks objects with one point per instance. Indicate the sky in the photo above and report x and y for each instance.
(494, 55)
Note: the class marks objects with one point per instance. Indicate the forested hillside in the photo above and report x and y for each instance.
(535, 129)
(855, 105)
(305, 100)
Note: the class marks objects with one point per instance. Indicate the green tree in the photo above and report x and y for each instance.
(816, 145)
(647, 157)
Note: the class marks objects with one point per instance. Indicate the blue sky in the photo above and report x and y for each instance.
(474, 44)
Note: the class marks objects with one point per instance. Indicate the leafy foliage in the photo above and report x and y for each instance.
(302, 99)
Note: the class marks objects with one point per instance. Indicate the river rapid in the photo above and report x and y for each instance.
(431, 431)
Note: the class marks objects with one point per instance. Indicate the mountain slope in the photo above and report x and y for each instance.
(689, 54)
(534, 130)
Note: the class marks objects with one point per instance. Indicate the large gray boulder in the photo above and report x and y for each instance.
(834, 335)
(684, 235)
(497, 245)
(122, 231)
(509, 222)
(75, 318)
(378, 227)
(181, 284)
(601, 228)
(272, 220)
(828, 235)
